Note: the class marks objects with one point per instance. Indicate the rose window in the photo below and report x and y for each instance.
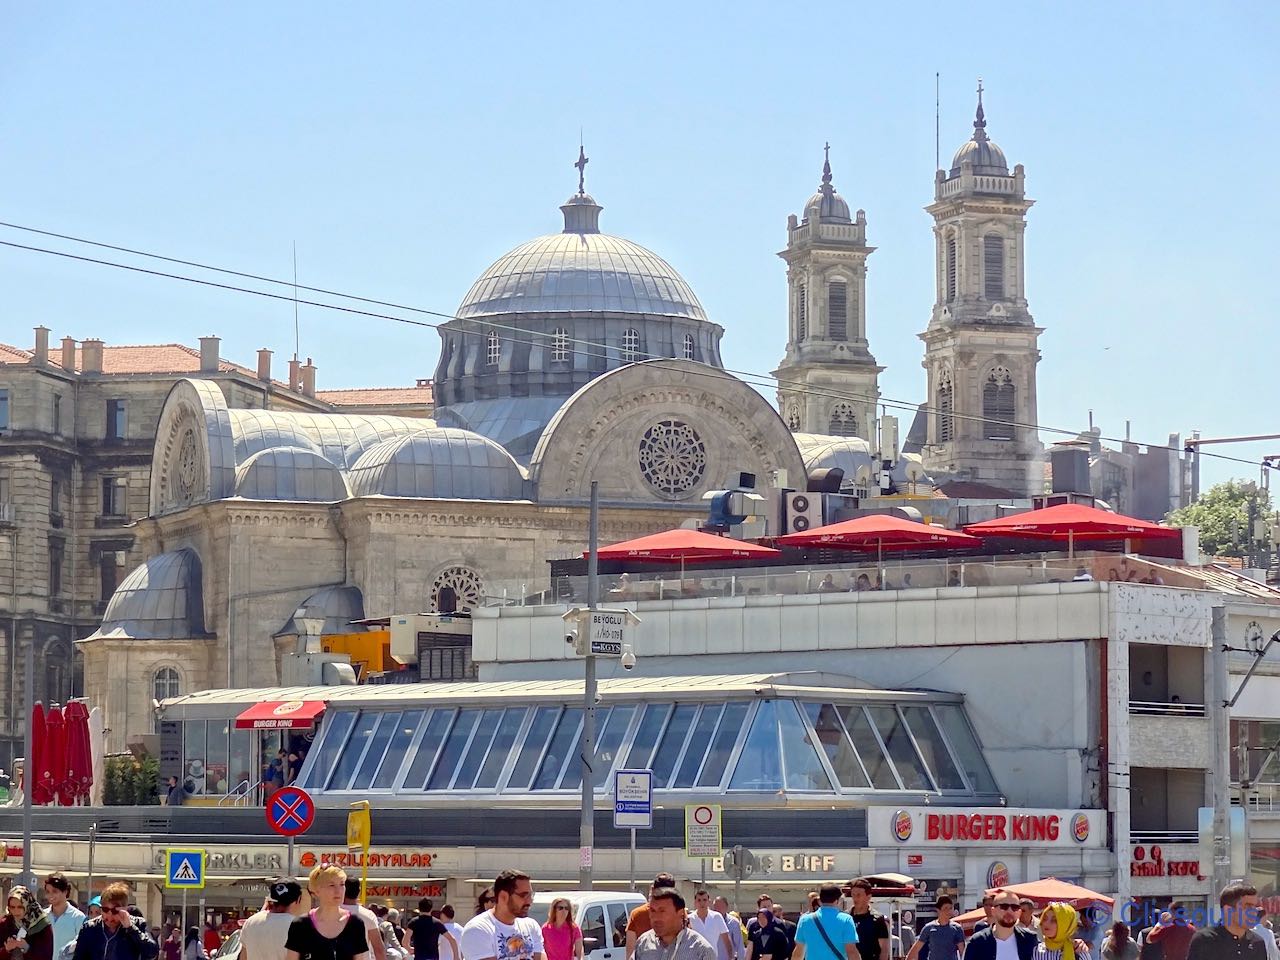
(187, 470)
(467, 587)
(673, 458)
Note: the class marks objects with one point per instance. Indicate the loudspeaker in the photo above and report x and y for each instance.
(804, 512)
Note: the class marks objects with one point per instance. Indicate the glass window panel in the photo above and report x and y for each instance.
(905, 759)
(840, 753)
(241, 768)
(333, 731)
(409, 723)
(387, 724)
(193, 743)
(868, 747)
(531, 750)
(664, 761)
(655, 715)
(454, 746)
(960, 734)
(592, 924)
(562, 744)
(929, 740)
(572, 778)
(759, 766)
(501, 749)
(480, 744)
(722, 744)
(349, 757)
(804, 770)
(699, 741)
(424, 760)
(607, 743)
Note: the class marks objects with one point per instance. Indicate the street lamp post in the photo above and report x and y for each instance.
(587, 743)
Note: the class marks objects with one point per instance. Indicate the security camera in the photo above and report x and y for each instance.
(570, 639)
(628, 659)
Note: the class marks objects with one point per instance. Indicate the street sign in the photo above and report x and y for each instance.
(702, 830)
(633, 799)
(602, 632)
(359, 827)
(739, 863)
(184, 869)
(290, 811)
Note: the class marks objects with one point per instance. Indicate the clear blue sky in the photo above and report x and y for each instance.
(405, 146)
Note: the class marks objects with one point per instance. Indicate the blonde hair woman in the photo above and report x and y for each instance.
(328, 932)
(561, 937)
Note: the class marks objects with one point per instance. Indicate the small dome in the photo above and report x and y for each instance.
(827, 206)
(336, 606)
(159, 600)
(441, 463)
(981, 151)
(820, 451)
(290, 473)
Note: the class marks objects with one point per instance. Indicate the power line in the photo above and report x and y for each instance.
(751, 377)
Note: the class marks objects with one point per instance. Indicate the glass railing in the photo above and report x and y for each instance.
(858, 575)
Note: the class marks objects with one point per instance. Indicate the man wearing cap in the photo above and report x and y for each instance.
(263, 935)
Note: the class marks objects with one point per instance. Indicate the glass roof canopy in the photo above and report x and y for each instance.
(816, 744)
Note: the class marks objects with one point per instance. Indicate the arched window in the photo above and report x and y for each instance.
(802, 312)
(838, 310)
(688, 346)
(946, 408)
(560, 345)
(951, 268)
(57, 671)
(993, 266)
(793, 418)
(844, 422)
(166, 683)
(631, 346)
(998, 405)
(494, 348)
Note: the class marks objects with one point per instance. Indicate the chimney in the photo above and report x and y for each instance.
(42, 347)
(424, 382)
(295, 375)
(264, 365)
(209, 354)
(91, 356)
(69, 354)
(309, 378)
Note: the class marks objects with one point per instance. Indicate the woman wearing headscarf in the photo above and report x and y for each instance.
(26, 932)
(1058, 925)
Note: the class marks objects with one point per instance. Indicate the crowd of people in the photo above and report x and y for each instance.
(332, 924)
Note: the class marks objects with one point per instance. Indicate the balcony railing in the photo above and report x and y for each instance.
(1162, 837)
(1156, 708)
(1263, 797)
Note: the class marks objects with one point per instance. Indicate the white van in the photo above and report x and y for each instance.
(602, 915)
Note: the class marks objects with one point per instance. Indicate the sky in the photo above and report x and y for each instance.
(403, 147)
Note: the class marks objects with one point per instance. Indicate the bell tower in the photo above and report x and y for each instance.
(828, 380)
(981, 344)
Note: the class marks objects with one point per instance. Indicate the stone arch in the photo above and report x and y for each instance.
(999, 403)
(600, 433)
(466, 582)
(193, 459)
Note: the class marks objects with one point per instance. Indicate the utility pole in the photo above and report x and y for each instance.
(29, 772)
(1221, 769)
(587, 743)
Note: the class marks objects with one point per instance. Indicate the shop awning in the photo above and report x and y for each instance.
(280, 715)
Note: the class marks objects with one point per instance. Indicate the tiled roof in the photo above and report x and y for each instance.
(150, 358)
(370, 396)
(10, 354)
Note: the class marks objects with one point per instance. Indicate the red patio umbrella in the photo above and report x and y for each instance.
(1072, 522)
(79, 756)
(881, 531)
(33, 773)
(687, 546)
(53, 758)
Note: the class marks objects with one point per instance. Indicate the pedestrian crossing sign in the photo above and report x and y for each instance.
(184, 869)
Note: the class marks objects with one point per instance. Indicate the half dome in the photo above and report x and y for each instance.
(441, 463)
(290, 473)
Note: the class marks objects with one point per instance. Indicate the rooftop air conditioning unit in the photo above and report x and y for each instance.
(804, 512)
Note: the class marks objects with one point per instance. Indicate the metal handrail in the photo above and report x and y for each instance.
(1148, 837)
(243, 799)
(234, 793)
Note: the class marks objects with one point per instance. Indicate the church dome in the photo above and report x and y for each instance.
(981, 151)
(440, 463)
(827, 206)
(581, 270)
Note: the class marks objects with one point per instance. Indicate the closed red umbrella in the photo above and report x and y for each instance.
(1072, 522)
(53, 759)
(79, 759)
(34, 772)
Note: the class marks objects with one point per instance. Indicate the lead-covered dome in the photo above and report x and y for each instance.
(827, 206)
(981, 151)
(441, 463)
(581, 272)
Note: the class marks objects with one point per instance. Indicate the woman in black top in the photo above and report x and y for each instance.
(328, 932)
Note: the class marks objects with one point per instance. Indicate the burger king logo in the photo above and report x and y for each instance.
(998, 874)
(293, 706)
(1080, 827)
(902, 826)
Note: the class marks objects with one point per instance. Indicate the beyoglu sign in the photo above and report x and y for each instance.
(984, 827)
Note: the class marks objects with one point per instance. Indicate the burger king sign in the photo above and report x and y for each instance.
(902, 826)
(1009, 827)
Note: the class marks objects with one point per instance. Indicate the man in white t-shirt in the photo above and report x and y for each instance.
(506, 932)
(351, 904)
(263, 935)
(454, 928)
(711, 925)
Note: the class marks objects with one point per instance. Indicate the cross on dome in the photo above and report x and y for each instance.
(581, 164)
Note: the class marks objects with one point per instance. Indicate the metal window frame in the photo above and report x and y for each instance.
(684, 742)
(811, 735)
(822, 754)
(884, 747)
(575, 737)
(508, 762)
(471, 745)
(915, 745)
(444, 743)
(317, 748)
(630, 345)
(689, 346)
(556, 709)
(627, 734)
(706, 745)
(741, 746)
(977, 743)
(405, 754)
(382, 718)
(728, 762)
(355, 768)
(942, 739)
(669, 707)
(928, 776)
(401, 785)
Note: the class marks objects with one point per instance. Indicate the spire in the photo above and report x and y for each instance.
(826, 188)
(581, 164)
(980, 119)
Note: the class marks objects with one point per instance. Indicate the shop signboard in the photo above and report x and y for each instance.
(949, 827)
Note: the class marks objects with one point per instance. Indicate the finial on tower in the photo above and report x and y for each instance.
(581, 164)
(826, 163)
(980, 119)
